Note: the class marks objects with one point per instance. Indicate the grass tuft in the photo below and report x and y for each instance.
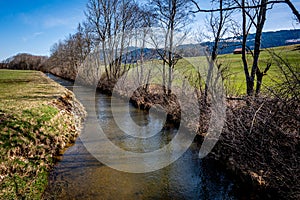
(32, 131)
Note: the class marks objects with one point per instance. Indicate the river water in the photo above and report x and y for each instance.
(78, 175)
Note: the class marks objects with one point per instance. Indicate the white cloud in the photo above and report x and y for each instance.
(31, 37)
(51, 22)
(46, 21)
(37, 34)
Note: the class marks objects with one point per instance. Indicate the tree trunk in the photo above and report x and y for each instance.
(171, 57)
(259, 77)
(259, 28)
(213, 54)
(104, 60)
(249, 80)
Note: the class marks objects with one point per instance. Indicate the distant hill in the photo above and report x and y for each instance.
(269, 39)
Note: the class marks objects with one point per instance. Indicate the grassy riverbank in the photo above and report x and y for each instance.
(38, 120)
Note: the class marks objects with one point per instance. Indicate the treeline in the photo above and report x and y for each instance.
(102, 43)
(25, 61)
(112, 27)
(108, 28)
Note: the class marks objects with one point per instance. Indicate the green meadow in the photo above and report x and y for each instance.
(233, 72)
(231, 68)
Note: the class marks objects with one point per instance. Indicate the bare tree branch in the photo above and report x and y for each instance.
(294, 10)
(231, 8)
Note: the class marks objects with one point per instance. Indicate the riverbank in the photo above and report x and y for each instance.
(259, 144)
(39, 118)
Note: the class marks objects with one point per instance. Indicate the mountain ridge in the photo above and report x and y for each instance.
(269, 39)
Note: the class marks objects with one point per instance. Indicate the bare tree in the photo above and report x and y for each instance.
(99, 15)
(112, 23)
(146, 21)
(68, 55)
(253, 16)
(217, 25)
(172, 15)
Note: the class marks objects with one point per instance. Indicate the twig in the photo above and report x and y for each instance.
(236, 98)
(255, 116)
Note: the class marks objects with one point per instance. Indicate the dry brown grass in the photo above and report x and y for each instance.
(38, 120)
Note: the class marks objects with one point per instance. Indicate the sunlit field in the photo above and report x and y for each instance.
(233, 72)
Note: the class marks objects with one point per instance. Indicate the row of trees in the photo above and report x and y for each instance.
(67, 55)
(24, 61)
(108, 30)
(111, 27)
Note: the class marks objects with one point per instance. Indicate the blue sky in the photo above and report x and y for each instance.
(33, 26)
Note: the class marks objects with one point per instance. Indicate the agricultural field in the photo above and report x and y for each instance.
(233, 72)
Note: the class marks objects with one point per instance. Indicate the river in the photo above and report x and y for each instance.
(78, 175)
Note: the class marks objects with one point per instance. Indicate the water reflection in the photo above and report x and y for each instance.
(128, 142)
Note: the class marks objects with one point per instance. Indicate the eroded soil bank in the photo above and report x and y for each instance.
(39, 119)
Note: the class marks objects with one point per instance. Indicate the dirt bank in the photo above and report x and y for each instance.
(39, 118)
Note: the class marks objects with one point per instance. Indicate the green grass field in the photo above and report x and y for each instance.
(235, 82)
(231, 64)
(31, 131)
